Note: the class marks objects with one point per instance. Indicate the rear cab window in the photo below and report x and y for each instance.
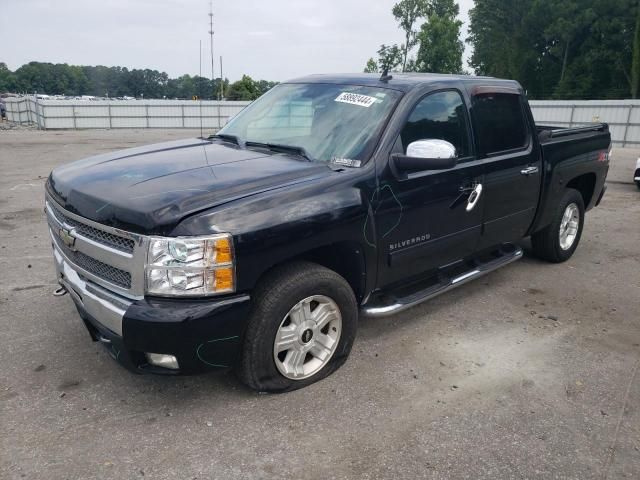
(499, 121)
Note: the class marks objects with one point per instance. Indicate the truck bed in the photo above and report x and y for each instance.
(558, 143)
(547, 133)
(569, 153)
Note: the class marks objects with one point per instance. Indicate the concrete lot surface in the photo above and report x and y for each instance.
(530, 372)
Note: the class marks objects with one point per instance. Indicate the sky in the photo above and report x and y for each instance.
(266, 39)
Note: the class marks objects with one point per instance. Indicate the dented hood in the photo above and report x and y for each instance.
(150, 189)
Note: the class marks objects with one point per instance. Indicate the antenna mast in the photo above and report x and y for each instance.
(213, 77)
(221, 81)
(200, 90)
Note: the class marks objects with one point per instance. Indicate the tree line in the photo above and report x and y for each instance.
(101, 81)
(564, 49)
(432, 31)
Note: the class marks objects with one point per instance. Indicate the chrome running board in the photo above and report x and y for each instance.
(389, 304)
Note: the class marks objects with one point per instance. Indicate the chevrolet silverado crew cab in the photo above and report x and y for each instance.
(328, 198)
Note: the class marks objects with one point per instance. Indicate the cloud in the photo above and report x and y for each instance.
(275, 39)
(312, 23)
(260, 33)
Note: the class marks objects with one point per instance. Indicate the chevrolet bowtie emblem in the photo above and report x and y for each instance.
(67, 237)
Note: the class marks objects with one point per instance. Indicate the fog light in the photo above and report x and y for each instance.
(162, 360)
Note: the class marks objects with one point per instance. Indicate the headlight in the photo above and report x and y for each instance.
(190, 266)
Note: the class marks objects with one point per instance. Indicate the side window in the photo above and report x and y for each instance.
(499, 122)
(439, 116)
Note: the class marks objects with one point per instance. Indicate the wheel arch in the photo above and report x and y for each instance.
(586, 185)
(345, 258)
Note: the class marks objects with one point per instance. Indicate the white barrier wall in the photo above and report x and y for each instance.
(623, 116)
(81, 114)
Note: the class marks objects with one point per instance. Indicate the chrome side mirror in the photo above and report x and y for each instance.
(432, 148)
(430, 154)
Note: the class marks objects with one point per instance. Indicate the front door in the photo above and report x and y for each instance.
(423, 219)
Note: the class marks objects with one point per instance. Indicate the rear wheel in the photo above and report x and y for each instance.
(557, 242)
(301, 328)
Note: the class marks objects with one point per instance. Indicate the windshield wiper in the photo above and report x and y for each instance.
(281, 148)
(274, 147)
(226, 137)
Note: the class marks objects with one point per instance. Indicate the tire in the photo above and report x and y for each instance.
(275, 310)
(547, 243)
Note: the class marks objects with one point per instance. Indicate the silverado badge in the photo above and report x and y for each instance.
(67, 237)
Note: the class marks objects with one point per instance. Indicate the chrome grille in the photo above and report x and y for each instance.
(106, 272)
(105, 238)
(106, 256)
(99, 269)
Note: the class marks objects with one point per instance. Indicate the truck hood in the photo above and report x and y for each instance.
(150, 189)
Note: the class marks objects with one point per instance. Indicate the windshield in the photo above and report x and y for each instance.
(327, 122)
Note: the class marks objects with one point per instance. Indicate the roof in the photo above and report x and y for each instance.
(400, 81)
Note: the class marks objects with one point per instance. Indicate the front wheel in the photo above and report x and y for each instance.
(302, 326)
(557, 242)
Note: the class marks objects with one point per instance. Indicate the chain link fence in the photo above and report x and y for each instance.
(623, 116)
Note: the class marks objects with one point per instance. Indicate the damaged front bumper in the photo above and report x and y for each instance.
(201, 334)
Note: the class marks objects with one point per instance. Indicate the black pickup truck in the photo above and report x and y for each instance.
(328, 198)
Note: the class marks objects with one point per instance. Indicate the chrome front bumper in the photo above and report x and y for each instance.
(103, 306)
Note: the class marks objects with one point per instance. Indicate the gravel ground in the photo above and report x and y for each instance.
(7, 125)
(530, 372)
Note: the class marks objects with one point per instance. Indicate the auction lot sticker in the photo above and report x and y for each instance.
(356, 99)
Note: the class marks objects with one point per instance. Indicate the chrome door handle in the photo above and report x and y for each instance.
(474, 197)
(529, 170)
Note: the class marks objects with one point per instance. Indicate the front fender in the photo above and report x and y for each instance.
(274, 227)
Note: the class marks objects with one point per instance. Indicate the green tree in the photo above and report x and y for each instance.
(220, 87)
(389, 57)
(601, 65)
(63, 79)
(33, 77)
(264, 86)
(186, 87)
(183, 87)
(49, 78)
(439, 38)
(407, 13)
(494, 32)
(556, 48)
(570, 21)
(244, 89)
(371, 67)
(412, 66)
(440, 49)
(635, 64)
(7, 79)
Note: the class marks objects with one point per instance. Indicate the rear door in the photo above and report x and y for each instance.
(512, 164)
